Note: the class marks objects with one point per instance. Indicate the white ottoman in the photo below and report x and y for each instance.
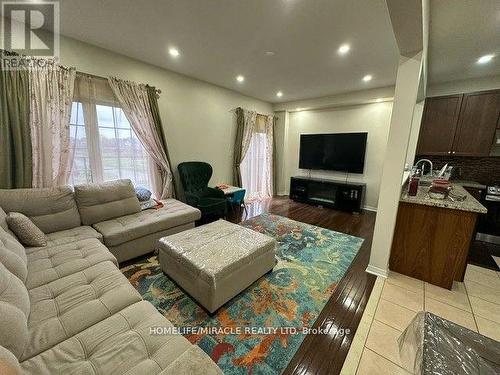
(217, 261)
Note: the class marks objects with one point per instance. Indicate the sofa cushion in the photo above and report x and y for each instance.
(3, 220)
(13, 255)
(73, 303)
(9, 364)
(120, 344)
(14, 312)
(130, 227)
(51, 209)
(71, 235)
(47, 264)
(107, 200)
(25, 230)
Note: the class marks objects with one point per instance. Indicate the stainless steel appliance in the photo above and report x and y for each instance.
(489, 224)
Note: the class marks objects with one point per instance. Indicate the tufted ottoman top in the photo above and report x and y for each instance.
(215, 250)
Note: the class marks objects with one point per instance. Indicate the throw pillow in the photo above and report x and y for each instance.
(143, 194)
(25, 230)
(151, 203)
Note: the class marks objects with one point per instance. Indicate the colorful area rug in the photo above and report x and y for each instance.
(311, 261)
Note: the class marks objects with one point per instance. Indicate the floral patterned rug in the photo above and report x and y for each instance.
(262, 319)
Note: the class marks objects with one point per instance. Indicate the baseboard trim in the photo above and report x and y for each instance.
(370, 208)
(377, 271)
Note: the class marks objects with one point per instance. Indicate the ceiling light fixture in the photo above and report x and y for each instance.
(485, 59)
(240, 78)
(269, 53)
(367, 78)
(343, 49)
(174, 52)
(279, 94)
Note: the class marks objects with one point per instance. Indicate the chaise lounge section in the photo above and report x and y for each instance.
(67, 308)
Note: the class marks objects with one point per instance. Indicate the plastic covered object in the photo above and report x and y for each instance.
(435, 346)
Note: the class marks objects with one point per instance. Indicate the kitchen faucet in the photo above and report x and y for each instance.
(424, 161)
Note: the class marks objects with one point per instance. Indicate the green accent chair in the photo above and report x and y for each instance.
(194, 178)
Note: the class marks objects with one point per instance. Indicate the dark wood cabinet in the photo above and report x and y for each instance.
(460, 125)
(478, 121)
(439, 124)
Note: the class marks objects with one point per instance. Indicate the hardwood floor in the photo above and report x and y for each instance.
(325, 354)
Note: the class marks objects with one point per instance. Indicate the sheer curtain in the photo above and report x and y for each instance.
(135, 102)
(51, 94)
(257, 165)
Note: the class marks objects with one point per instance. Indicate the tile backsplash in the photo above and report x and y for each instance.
(485, 170)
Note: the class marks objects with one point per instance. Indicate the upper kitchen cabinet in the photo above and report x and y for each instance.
(477, 124)
(460, 125)
(439, 124)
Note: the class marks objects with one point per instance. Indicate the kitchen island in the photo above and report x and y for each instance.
(432, 236)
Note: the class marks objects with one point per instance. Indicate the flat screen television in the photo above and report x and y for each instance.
(336, 152)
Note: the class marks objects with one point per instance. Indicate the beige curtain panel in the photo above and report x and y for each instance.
(245, 127)
(134, 101)
(51, 94)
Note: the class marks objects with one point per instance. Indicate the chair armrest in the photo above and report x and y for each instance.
(192, 199)
(214, 193)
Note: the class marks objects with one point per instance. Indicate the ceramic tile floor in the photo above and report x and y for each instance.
(394, 301)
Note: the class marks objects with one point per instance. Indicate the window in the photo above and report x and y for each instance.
(81, 172)
(255, 168)
(109, 151)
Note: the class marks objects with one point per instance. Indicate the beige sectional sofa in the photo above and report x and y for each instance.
(67, 308)
(109, 212)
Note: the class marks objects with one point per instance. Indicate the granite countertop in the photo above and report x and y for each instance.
(471, 184)
(469, 204)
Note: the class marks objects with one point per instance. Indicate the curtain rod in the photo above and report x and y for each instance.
(158, 91)
(258, 114)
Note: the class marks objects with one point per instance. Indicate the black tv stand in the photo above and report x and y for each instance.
(328, 193)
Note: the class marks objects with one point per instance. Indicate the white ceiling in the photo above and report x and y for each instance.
(219, 39)
(461, 31)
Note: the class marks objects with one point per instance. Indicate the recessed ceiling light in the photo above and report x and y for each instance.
(343, 49)
(485, 59)
(367, 78)
(269, 53)
(240, 78)
(174, 52)
(279, 94)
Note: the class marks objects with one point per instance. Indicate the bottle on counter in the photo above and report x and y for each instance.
(414, 181)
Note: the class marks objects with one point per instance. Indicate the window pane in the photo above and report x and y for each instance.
(122, 154)
(104, 115)
(109, 144)
(80, 172)
(76, 114)
(121, 119)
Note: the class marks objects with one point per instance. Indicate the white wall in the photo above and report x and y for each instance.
(461, 86)
(372, 118)
(196, 115)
